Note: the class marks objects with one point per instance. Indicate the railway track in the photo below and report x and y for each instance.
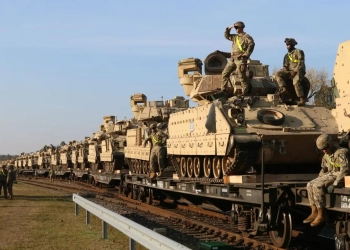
(185, 224)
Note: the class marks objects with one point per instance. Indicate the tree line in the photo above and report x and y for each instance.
(7, 157)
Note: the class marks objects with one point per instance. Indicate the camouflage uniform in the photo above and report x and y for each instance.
(335, 165)
(293, 61)
(242, 47)
(157, 157)
(52, 175)
(334, 168)
(11, 176)
(3, 179)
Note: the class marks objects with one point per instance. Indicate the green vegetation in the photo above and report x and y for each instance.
(39, 218)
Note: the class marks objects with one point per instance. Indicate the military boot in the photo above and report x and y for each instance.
(322, 217)
(152, 175)
(302, 101)
(161, 172)
(312, 216)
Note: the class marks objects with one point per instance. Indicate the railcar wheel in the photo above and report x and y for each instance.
(197, 168)
(139, 164)
(183, 167)
(224, 164)
(149, 197)
(217, 167)
(190, 167)
(282, 234)
(138, 167)
(145, 167)
(207, 167)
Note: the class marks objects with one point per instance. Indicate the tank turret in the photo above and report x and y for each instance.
(108, 122)
(137, 102)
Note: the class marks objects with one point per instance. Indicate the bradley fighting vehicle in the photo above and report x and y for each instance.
(146, 113)
(226, 134)
(110, 142)
(81, 165)
(33, 160)
(44, 160)
(341, 86)
(74, 154)
(54, 155)
(65, 160)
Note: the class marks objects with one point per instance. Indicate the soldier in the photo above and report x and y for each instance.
(242, 47)
(294, 68)
(52, 175)
(11, 176)
(3, 179)
(335, 165)
(157, 157)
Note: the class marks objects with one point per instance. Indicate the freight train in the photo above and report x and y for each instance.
(247, 155)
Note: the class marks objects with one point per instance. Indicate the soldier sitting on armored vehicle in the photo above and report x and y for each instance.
(158, 139)
(335, 165)
(242, 47)
(293, 68)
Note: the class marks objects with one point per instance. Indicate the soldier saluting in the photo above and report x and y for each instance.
(242, 47)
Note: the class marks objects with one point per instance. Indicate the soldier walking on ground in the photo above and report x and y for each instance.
(242, 47)
(3, 179)
(52, 175)
(335, 165)
(11, 176)
(158, 139)
(293, 68)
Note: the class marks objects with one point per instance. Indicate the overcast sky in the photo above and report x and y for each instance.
(65, 64)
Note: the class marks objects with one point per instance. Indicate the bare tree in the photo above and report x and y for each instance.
(321, 90)
(318, 80)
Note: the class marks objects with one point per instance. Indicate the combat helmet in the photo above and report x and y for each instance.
(239, 24)
(323, 141)
(291, 41)
(153, 126)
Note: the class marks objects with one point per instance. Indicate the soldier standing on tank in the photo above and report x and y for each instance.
(3, 179)
(242, 47)
(11, 176)
(157, 157)
(293, 68)
(335, 165)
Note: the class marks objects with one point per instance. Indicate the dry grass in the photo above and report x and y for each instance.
(39, 218)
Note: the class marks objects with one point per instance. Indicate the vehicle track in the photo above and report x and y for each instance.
(185, 224)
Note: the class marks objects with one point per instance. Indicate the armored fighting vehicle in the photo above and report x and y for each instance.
(74, 154)
(44, 160)
(33, 161)
(54, 154)
(146, 113)
(95, 150)
(113, 143)
(341, 84)
(65, 160)
(110, 142)
(227, 133)
(82, 166)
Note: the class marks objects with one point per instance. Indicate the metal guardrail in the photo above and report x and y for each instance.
(146, 237)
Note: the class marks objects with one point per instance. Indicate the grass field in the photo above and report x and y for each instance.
(40, 218)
